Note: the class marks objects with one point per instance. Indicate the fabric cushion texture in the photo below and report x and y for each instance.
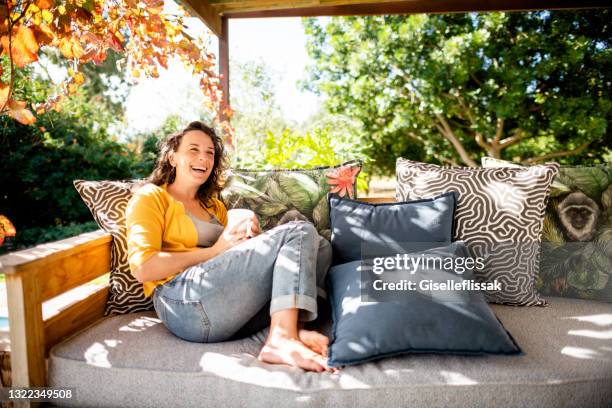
(500, 213)
(356, 223)
(577, 234)
(127, 360)
(410, 321)
(282, 195)
(133, 360)
(107, 201)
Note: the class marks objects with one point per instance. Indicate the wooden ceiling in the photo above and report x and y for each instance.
(212, 11)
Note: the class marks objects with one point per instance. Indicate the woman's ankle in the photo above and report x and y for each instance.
(284, 324)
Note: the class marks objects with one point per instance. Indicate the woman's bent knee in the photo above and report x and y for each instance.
(304, 227)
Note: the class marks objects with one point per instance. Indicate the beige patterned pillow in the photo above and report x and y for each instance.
(107, 201)
(500, 213)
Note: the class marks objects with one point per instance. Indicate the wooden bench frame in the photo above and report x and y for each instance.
(38, 274)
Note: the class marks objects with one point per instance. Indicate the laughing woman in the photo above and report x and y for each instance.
(209, 280)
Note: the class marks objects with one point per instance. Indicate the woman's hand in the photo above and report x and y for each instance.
(255, 228)
(230, 237)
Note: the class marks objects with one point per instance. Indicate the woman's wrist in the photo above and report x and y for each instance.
(209, 253)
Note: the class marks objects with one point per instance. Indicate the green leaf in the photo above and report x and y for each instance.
(275, 193)
(320, 214)
(260, 183)
(590, 180)
(301, 190)
(271, 209)
(585, 279)
(237, 187)
(557, 188)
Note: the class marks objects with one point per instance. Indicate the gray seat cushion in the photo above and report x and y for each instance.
(133, 361)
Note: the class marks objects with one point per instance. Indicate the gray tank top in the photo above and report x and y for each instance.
(208, 231)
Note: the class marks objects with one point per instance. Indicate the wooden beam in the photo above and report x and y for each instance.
(203, 10)
(224, 65)
(39, 257)
(65, 265)
(26, 332)
(74, 271)
(298, 9)
(376, 200)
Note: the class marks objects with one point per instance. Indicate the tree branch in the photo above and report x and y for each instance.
(450, 162)
(448, 133)
(480, 139)
(554, 155)
(467, 109)
(498, 131)
(481, 142)
(436, 155)
(519, 135)
(480, 84)
(23, 12)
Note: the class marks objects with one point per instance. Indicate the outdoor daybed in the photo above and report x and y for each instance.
(134, 361)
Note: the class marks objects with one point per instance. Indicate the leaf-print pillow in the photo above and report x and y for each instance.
(282, 195)
(577, 234)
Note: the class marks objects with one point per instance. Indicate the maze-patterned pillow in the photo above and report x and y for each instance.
(107, 201)
(577, 234)
(499, 215)
(282, 195)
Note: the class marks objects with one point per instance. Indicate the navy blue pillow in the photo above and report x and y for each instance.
(354, 223)
(453, 322)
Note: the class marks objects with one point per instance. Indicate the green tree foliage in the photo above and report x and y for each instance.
(146, 144)
(265, 140)
(256, 111)
(319, 147)
(528, 87)
(38, 163)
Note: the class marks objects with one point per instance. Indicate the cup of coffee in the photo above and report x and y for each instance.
(238, 215)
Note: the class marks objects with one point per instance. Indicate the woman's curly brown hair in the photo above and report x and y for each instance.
(164, 172)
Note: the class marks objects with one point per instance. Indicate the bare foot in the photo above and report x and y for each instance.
(314, 340)
(284, 350)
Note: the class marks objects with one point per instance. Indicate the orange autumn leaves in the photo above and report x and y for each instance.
(24, 47)
(85, 30)
(20, 42)
(6, 228)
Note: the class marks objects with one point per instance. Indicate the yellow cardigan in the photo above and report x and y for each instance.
(157, 222)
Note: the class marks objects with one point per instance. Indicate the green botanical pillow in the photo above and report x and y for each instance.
(282, 195)
(577, 234)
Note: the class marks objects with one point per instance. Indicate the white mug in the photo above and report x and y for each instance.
(237, 215)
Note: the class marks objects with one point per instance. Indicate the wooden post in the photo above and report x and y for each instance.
(26, 331)
(224, 66)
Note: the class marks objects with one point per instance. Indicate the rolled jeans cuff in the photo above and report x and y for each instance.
(306, 304)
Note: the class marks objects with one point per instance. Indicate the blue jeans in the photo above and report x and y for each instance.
(211, 301)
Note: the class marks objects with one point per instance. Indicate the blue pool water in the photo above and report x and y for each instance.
(3, 322)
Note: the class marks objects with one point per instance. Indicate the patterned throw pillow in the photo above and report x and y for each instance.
(107, 201)
(577, 236)
(499, 215)
(279, 196)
